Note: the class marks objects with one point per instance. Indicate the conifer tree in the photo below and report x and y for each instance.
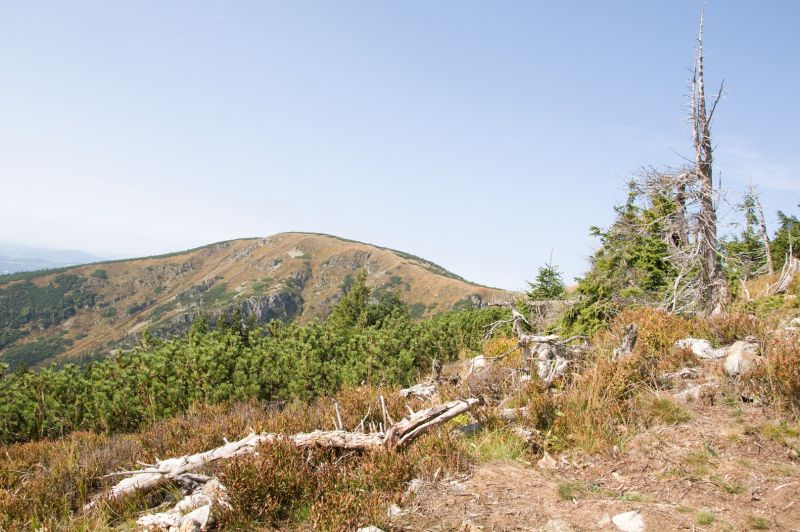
(549, 284)
(351, 310)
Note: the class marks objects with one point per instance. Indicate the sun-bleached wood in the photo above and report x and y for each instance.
(398, 435)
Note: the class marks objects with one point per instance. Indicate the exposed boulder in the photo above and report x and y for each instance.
(741, 356)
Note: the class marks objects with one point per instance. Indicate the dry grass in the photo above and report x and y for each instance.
(777, 380)
(43, 485)
(284, 487)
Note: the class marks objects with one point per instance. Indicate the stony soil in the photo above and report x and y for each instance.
(733, 466)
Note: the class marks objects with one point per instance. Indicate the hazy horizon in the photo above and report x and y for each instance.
(481, 137)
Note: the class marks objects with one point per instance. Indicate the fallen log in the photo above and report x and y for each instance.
(398, 435)
(415, 425)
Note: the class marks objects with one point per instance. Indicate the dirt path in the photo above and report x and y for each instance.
(733, 466)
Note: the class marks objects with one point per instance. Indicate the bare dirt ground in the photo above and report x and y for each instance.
(733, 466)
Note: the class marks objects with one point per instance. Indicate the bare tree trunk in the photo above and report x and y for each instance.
(711, 276)
(763, 230)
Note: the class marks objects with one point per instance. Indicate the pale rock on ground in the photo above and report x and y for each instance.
(701, 348)
(629, 521)
(695, 392)
(557, 525)
(741, 356)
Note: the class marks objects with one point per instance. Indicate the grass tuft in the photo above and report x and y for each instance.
(704, 517)
(570, 491)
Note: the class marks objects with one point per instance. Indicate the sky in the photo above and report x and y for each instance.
(484, 136)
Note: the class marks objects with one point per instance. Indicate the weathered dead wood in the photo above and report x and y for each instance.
(683, 373)
(550, 353)
(790, 268)
(426, 390)
(406, 430)
(752, 193)
(193, 512)
(712, 281)
(628, 342)
(398, 435)
(516, 320)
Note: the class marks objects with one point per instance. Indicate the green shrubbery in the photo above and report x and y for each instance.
(361, 342)
(31, 353)
(100, 274)
(25, 302)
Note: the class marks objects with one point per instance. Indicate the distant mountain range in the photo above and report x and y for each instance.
(17, 258)
(76, 312)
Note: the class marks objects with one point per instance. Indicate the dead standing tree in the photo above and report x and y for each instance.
(714, 292)
(753, 197)
(690, 231)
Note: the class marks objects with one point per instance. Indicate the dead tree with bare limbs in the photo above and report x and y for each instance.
(753, 195)
(712, 281)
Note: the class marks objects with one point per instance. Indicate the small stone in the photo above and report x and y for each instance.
(604, 521)
(629, 521)
(477, 363)
(556, 525)
(547, 462)
(394, 511)
(414, 486)
(370, 528)
(466, 430)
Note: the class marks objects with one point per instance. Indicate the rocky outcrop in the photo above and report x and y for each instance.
(284, 306)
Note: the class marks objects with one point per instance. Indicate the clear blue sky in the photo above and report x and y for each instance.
(480, 135)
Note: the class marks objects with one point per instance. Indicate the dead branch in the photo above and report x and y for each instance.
(762, 224)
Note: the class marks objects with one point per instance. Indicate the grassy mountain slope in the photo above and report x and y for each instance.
(84, 311)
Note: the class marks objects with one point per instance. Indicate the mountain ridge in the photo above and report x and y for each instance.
(81, 312)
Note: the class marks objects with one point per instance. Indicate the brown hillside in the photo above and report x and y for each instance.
(286, 276)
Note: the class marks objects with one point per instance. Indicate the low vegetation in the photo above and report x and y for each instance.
(359, 343)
